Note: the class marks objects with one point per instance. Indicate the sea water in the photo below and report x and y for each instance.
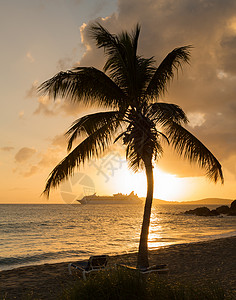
(38, 234)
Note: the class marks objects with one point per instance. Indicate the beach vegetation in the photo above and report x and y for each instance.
(127, 285)
(129, 90)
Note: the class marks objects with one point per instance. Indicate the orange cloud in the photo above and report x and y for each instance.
(7, 148)
(24, 154)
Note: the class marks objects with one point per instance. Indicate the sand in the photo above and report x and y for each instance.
(213, 260)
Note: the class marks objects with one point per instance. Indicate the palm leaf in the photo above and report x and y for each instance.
(129, 71)
(161, 113)
(135, 37)
(113, 48)
(188, 146)
(91, 147)
(165, 72)
(84, 84)
(89, 124)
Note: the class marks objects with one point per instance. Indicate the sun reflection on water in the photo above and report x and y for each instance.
(155, 232)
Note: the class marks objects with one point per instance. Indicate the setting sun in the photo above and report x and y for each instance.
(166, 186)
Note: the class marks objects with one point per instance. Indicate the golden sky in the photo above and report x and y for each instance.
(40, 38)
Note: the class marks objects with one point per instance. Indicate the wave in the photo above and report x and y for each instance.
(219, 235)
(13, 262)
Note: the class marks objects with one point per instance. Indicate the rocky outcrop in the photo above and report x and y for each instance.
(232, 209)
(224, 209)
(206, 212)
(233, 205)
(202, 211)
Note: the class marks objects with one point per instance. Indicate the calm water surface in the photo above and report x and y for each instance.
(37, 234)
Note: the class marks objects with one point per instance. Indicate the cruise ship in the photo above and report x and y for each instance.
(115, 199)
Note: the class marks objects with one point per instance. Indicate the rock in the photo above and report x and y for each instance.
(233, 205)
(190, 212)
(214, 212)
(232, 213)
(224, 209)
(199, 211)
(204, 211)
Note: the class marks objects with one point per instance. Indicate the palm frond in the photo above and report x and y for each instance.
(84, 84)
(145, 69)
(188, 146)
(142, 140)
(104, 39)
(113, 48)
(165, 72)
(91, 147)
(164, 136)
(135, 37)
(162, 113)
(139, 149)
(89, 124)
(128, 70)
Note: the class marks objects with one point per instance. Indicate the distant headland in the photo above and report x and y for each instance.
(205, 201)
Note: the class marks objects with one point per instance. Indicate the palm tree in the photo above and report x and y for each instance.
(129, 88)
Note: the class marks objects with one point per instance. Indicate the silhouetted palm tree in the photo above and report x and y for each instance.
(130, 93)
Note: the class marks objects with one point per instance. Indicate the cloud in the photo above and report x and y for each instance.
(30, 57)
(21, 114)
(51, 157)
(7, 148)
(229, 164)
(24, 154)
(68, 61)
(30, 164)
(45, 106)
(228, 54)
(32, 91)
(48, 107)
(59, 141)
(196, 119)
(33, 170)
(206, 88)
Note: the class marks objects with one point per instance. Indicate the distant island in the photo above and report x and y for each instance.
(205, 201)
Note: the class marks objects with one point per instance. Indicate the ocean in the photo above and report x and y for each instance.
(38, 234)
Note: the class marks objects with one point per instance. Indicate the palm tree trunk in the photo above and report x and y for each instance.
(143, 244)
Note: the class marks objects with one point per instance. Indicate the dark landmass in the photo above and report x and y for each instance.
(210, 201)
(205, 211)
(205, 201)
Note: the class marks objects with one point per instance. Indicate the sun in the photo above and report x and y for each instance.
(166, 186)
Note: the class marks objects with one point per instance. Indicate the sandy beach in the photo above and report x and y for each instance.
(210, 260)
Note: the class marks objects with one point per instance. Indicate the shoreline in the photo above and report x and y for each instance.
(208, 260)
(216, 237)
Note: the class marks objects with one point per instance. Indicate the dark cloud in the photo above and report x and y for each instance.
(207, 87)
(228, 54)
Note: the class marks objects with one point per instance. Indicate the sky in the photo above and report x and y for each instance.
(40, 38)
